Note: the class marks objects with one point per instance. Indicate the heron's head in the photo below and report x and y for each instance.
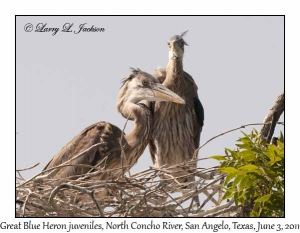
(176, 45)
(143, 86)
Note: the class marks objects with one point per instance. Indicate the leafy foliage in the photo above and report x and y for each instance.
(255, 175)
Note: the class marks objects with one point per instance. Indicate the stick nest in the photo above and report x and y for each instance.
(149, 193)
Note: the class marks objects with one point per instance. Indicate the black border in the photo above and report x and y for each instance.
(139, 16)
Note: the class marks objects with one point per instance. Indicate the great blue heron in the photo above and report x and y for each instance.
(176, 128)
(137, 87)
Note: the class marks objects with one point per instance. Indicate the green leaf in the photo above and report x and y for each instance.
(228, 170)
(230, 152)
(270, 155)
(264, 198)
(243, 146)
(247, 136)
(248, 168)
(228, 194)
(256, 210)
(255, 132)
(229, 178)
(281, 137)
(237, 180)
(219, 157)
(245, 183)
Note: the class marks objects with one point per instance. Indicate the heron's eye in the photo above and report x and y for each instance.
(144, 82)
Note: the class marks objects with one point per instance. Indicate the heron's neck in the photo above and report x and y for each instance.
(174, 75)
(138, 138)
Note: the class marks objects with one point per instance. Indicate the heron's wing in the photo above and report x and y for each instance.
(67, 152)
(200, 118)
(199, 110)
(152, 147)
(84, 144)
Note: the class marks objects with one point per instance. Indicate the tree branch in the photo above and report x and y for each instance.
(272, 118)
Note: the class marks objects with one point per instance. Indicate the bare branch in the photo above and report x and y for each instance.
(229, 131)
(28, 168)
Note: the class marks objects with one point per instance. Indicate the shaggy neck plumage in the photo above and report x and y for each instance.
(174, 75)
(138, 138)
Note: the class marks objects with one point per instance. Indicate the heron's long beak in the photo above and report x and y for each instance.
(160, 91)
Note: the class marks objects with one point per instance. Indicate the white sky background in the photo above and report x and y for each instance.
(69, 81)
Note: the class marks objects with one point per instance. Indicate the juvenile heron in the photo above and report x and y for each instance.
(176, 128)
(137, 87)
